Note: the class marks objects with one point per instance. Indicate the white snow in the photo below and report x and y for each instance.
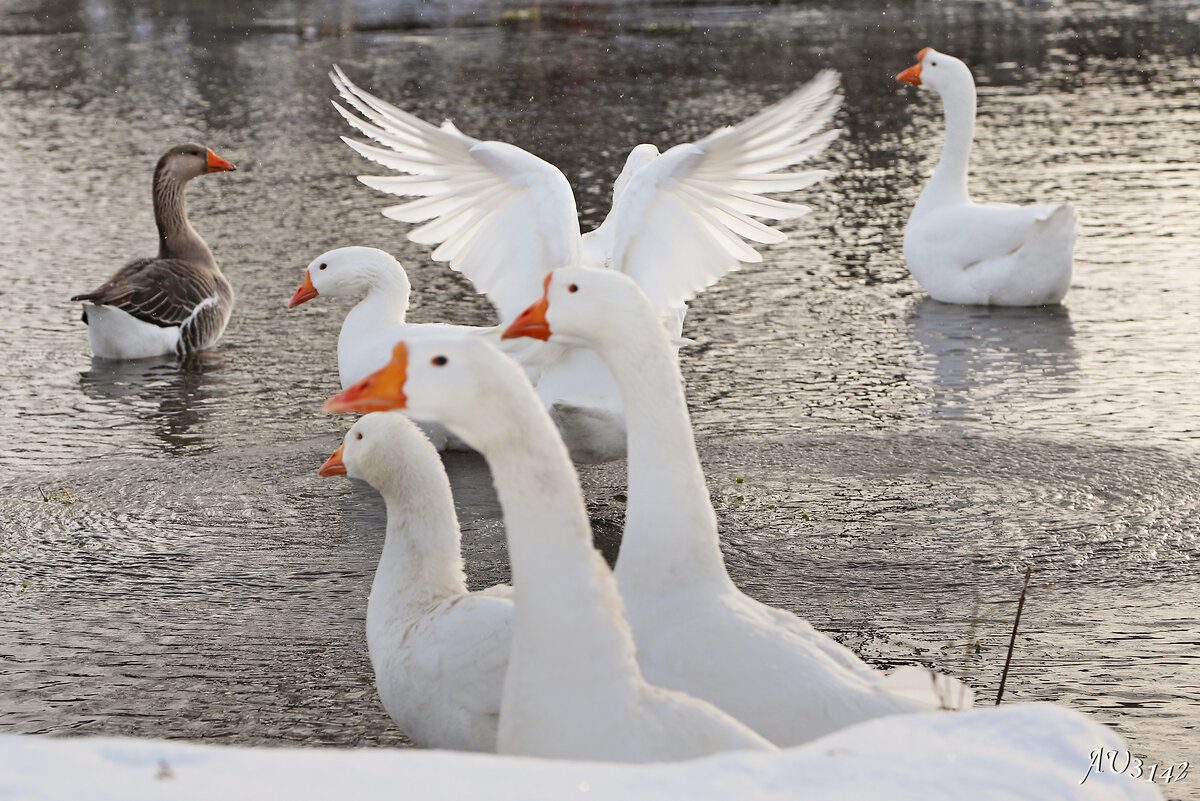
(1029, 751)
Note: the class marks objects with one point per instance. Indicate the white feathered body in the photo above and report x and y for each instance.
(695, 630)
(972, 253)
(993, 254)
(767, 667)
(116, 334)
(440, 671)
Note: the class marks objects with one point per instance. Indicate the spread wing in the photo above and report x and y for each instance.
(501, 216)
(165, 292)
(683, 219)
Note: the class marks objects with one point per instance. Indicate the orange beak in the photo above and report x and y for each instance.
(306, 292)
(380, 391)
(532, 321)
(218, 164)
(334, 466)
(913, 74)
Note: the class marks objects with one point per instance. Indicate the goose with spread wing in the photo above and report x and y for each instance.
(505, 218)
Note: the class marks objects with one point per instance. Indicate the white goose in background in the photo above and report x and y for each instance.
(573, 688)
(439, 652)
(505, 218)
(965, 252)
(695, 630)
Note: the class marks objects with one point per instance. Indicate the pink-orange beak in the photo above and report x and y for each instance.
(381, 391)
(913, 74)
(334, 466)
(306, 292)
(532, 321)
(218, 164)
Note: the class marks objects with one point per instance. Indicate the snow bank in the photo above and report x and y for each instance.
(1032, 751)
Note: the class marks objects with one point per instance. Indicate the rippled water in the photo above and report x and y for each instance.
(901, 460)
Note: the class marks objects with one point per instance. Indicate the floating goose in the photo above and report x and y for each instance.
(573, 688)
(505, 218)
(695, 630)
(177, 303)
(439, 652)
(965, 252)
(378, 321)
(374, 326)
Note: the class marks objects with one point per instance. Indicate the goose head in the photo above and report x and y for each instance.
(185, 162)
(374, 449)
(937, 71)
(583, 307)
(350, 271)
(453, 380)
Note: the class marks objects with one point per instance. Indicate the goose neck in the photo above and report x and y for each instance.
(421, 562)
(949, 181)
(567, 616)
(670, 526)
(385, 305)
(176, 237)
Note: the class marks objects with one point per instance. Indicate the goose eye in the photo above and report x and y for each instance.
(358, 435)
(438, 361)
(322, 267)
(933, 63)
(573, 288)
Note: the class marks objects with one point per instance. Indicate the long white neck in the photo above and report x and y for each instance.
(568, 629)
(670, 527)
(948, 185)
(421, 563)
(385, 305)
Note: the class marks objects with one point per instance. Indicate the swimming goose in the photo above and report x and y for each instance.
(374, 326)
(695, 630)
(377, 322)
(504, 218)
(573, 688)
(176, 303)
(966, 252)
(439, 652)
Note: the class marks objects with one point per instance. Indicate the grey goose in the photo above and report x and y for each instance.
(176, 303)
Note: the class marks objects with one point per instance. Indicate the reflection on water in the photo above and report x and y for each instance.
(987, 360)
(876, 459)
(166, 394)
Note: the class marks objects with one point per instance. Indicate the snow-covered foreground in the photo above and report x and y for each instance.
(1032, 751)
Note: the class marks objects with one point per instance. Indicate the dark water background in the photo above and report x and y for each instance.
(902, 461)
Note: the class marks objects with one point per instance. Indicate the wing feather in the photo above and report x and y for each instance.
(164, 292)
(683, 219)
(498, 214)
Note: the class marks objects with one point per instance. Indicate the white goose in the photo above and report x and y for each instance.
(439, 652)
(378, 321)
(964, 252)
(573, 688)
(695, 630)
(505, 218)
